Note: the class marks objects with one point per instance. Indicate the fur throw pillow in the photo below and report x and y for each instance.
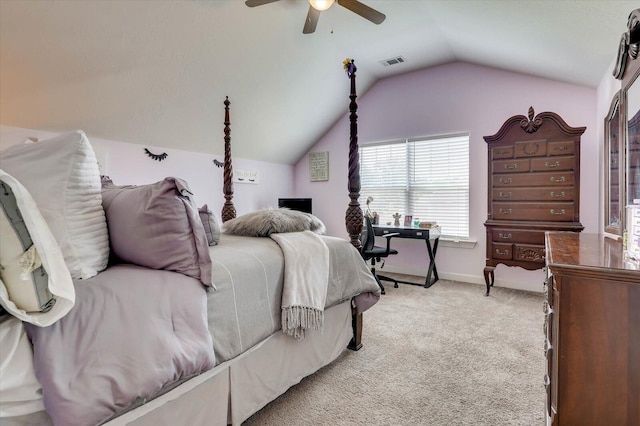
(263, 223)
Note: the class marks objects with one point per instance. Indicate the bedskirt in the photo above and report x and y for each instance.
(234, 390)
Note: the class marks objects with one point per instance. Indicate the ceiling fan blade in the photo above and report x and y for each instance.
(363, 10)
(311, 21)
(254, 3)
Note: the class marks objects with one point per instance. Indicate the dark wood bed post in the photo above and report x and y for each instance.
(228, 210)
(353, 217)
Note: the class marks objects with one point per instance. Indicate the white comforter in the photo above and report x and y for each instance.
(248, 273)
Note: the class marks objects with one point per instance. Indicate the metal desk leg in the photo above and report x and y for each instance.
(432, 264)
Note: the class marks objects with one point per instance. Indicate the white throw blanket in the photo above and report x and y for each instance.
(306, 279)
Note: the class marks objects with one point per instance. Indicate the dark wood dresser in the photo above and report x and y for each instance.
(534, 186)
(592, 328)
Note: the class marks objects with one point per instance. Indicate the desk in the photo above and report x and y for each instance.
(417, 234)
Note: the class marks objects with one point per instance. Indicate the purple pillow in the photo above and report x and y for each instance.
(157, 226)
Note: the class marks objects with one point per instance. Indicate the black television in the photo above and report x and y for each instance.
(300, 204)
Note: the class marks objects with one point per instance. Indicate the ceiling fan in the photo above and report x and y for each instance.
(317, 6)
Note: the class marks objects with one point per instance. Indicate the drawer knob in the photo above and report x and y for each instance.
(505, 211)
(505, 194)
(505, 235)
(511, 166)
(551, 165)
(502, 252)
(505, 181)
(557, 194)
(559, 213)
(557, 180)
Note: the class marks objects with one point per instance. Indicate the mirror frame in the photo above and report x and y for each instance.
(627, 69)
(630, 80)
(613, 157)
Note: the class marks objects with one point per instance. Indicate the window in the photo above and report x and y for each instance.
(424, 177)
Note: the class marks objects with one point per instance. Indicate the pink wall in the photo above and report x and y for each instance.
(127, 163)
(456, 97)
(451, 98)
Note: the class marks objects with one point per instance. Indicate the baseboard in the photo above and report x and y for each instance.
(473, 279)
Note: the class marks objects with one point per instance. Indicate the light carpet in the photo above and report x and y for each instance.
(446, 355)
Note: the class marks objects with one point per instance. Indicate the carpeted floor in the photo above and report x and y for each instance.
(446, 355)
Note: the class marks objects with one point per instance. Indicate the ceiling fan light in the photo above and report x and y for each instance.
(321, 5)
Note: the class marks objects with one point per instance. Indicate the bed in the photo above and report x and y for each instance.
(211, 348)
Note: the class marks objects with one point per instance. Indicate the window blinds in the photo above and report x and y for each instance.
(424, 177)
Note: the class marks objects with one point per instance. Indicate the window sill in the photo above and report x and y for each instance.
(450, 242)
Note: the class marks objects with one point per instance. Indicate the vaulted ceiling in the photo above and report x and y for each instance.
(156, 72)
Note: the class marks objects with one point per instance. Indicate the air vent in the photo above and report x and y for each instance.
(393, 61)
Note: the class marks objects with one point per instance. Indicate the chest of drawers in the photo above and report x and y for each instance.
(534, 187)
(592, 332)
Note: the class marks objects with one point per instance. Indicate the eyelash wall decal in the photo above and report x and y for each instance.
(157, 157)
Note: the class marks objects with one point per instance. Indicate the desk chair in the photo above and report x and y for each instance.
(374, 253)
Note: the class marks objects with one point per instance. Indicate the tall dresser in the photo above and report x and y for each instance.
(592, 328)
(534, 186)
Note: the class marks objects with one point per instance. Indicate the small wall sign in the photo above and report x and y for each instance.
(319, 166)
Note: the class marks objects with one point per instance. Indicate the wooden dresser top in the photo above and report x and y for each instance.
(595, 252)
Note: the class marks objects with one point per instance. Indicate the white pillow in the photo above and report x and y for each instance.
(63, 178)
(21, 268)
(58, 280)
(20, 391)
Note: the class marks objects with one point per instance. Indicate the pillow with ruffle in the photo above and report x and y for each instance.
(63, 177)
(35, 284)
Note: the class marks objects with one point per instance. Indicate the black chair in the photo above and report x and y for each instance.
(375, 253)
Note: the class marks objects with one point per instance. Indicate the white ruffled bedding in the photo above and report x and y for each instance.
(20, 391)
(58, 279)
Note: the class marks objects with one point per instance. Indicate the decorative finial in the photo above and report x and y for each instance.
(349, 66)
(629, 45)
(532, 124)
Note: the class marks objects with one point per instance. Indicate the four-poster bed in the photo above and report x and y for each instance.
(354, 218)
(236, 357)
